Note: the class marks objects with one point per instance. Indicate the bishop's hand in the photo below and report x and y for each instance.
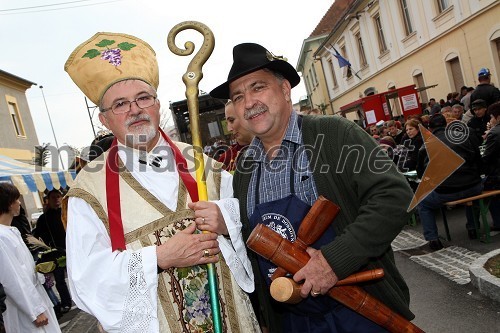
(186, 248)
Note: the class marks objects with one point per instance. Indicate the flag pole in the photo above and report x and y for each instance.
(342, 61)
(191, 79)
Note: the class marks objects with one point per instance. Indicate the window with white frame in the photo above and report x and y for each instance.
(382, 45)
(456, 73)
(443, 5)
(16, 118)
(361, 50)
(495, 50)
(312, 79)
(308, 85)
(332, 70)
(419, 81)
(497, 44)
(314, 76)
(347, 69)
(406, 17)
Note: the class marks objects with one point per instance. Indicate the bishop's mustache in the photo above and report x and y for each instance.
(137, 118)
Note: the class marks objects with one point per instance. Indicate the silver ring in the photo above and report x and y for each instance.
(315, 293)
(206, 253)
(203, 220)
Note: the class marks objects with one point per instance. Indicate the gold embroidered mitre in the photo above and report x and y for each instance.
(107, 58)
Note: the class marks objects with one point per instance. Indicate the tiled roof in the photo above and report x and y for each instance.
(335, 13)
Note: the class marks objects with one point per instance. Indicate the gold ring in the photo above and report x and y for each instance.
(315, 293)
(206, 253)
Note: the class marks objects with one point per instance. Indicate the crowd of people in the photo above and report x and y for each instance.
(466, 123)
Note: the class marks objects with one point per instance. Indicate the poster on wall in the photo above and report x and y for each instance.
(370, 117)
(386, 109)
(410, 102)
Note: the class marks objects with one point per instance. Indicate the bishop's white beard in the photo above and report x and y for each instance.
(140, 135)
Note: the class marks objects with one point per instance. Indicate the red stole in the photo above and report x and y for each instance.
(113, 190)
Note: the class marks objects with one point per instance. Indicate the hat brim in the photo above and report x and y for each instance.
(280, 66)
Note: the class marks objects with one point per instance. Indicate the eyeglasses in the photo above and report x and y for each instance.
(122, 107)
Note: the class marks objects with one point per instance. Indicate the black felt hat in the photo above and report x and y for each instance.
(479, 104)
(249, 57)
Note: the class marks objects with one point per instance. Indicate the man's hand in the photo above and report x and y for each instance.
(186, 249)
(209, 217)
(41, 320)
(317, 274)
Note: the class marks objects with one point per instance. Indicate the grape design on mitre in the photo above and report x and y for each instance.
(112, 55)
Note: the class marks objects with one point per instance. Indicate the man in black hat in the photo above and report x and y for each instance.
(485, 90)
(276, 182)
(478, 123)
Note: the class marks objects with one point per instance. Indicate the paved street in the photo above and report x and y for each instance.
(77, 321)
(442, 297)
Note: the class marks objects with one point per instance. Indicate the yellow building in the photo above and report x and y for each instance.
(17, 130)
(396, 43)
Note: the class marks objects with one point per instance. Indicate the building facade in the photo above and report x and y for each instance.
(312, 68)
(396, 43)
(17, 130)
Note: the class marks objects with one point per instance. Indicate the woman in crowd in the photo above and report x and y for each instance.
(29, 309)
(412, 143)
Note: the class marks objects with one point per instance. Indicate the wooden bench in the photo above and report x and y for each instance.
(483, 201)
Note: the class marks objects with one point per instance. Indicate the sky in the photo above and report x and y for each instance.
(36, 43)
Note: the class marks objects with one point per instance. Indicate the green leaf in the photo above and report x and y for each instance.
(125, 46)
(195, 284)
(105, 42)
(91, 54)
(183, 272)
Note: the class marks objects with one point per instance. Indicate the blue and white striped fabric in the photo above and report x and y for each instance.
(30, 178)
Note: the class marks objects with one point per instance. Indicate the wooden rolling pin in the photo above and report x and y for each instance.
(286, 290)
(291, 257)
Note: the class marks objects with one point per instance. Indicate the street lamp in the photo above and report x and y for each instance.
(52, 127)
(90, 116)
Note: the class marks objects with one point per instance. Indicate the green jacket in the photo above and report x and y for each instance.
(352, 171)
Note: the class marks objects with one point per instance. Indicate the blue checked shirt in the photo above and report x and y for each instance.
(275, 174)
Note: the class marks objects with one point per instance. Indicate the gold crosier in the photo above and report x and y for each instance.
(191, 79)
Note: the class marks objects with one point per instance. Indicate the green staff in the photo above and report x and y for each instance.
(191, 79)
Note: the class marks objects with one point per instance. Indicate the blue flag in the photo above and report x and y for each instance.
(342, 61)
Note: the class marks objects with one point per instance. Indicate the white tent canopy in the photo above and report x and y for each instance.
(31, 178)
